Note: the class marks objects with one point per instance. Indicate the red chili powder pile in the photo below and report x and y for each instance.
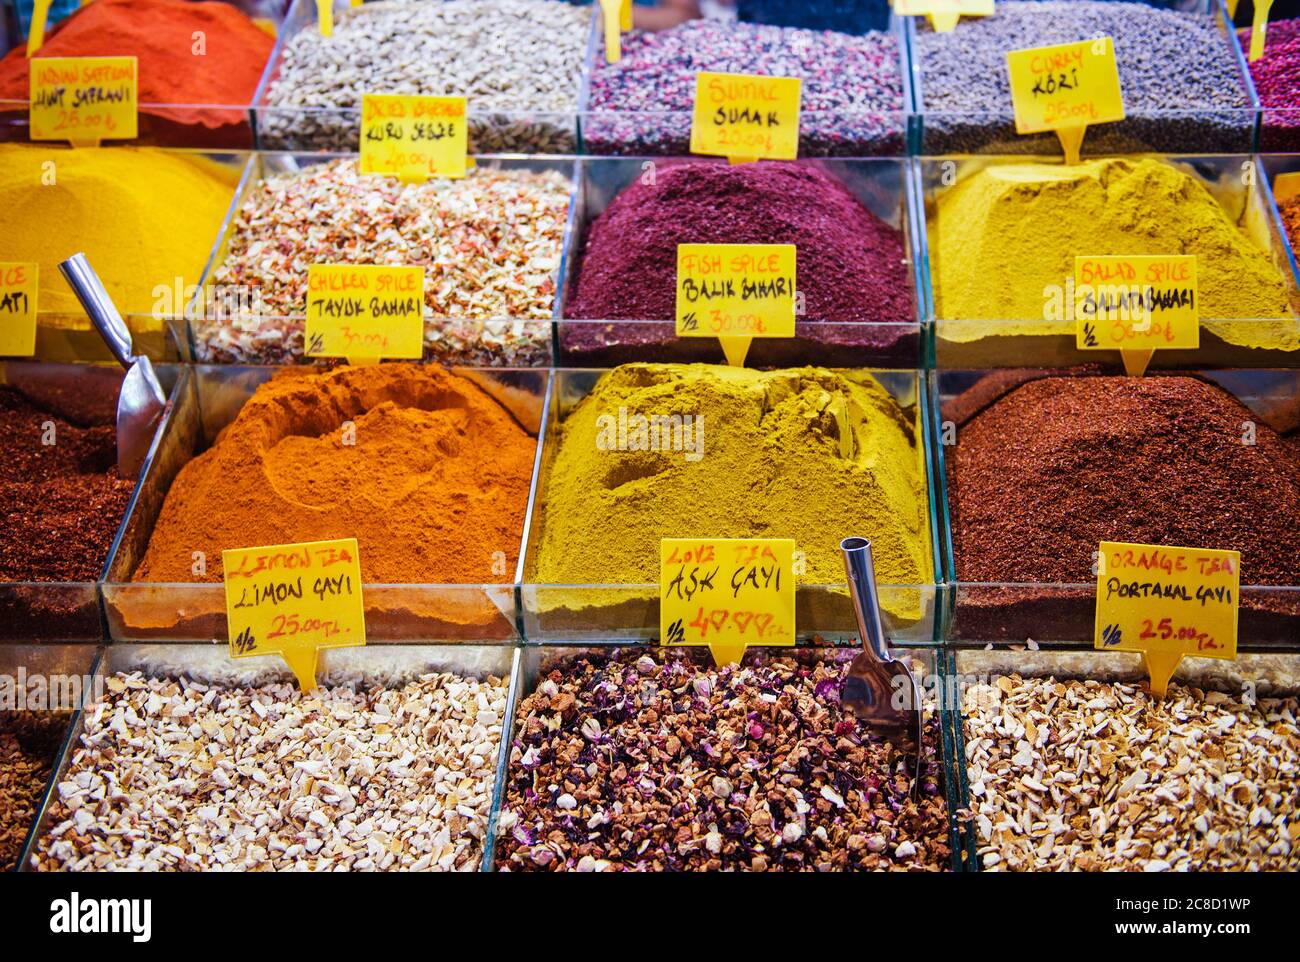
(60, 503)
(189, 54)
(852, 266)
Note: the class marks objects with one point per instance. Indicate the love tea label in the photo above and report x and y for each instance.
(746, 116)
(943, 14)
(736, 292)
(727, 593)
(84, 100)
(18, 287)
(414, 138)
(365, 311)
(293, 600)
(1065, 88)
(1167, 603)
(1136, 303)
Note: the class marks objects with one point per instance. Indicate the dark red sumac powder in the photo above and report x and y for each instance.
(852, 266)
(61, 503)
(1043, 475)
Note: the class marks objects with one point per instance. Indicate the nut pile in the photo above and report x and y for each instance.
(650, 760)
(29, 744)
(518, 61)
(490, 245)
(1183, 91)
(180, 775)
(1090, 775)
(852, 86)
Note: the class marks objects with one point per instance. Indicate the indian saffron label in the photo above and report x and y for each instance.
(1067, 85)
(83, 99)
(293, 600)
(943, 14)
(736, 292)
(1167, 603)
(365, 311)
(1136, 302)
(18, 287)
(727, 593)
(746, 116)
(414, 138)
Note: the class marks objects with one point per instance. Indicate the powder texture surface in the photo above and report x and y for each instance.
(143, 218)
(435, 483)
(61, 503)
(851, 264)
(1043, 475)
(1291, 219)
(1004, 233)
(775, 444)
(161, 35)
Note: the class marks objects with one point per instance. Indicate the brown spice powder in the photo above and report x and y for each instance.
(29, 742)
(60, 503)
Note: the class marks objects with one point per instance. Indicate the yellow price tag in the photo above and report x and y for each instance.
(1259, 28)
(1136, 305)
(1065, 88)
(625, 15)
(727, 593)
(293, 600)
(943, 14)
(83, 99)
(325, 16)
(412, 137)
(1286, 187)
(746, 116)
(18, 290)
(1167, 603)
(365, 312)
(736, 292)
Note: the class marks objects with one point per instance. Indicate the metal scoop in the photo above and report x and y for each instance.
(141, 400)
(879, 689)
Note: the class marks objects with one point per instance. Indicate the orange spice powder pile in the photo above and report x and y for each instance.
(434, 488)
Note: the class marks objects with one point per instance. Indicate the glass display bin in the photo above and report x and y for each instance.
(196, 611)
(1047, 337)
(886, 338)
(630, 612)
(229, 322)
(82, 395)
(1052, 612)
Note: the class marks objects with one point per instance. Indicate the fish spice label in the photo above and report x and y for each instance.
(736, 290)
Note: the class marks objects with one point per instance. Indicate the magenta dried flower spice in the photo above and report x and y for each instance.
(653, 760)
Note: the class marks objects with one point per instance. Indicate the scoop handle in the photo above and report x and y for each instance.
(861, 569)
(85, 283)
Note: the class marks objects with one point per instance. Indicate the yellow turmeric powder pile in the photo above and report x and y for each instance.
(421, 466)
(1004, 238)
(145, 218)
(679, 451)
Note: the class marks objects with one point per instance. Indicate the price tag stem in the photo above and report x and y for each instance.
(1135, 362)
(325, 14)
(1259, 29)
(612, 22)
(1161, 666)
(945, 22)
(1071, 139)
(40, 17)
(736, 349)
